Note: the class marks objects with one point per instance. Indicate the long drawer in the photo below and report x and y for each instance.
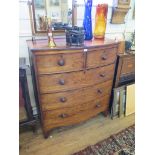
(75, 97)
(57, 63)
(101, 57)
(73, 115)
(74, 80)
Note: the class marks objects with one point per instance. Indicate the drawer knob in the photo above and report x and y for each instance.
(63, 99)
(61, 81)
(104, 57)
(98, 105)
(61, 62)
(63, 115)
(100, 91)
(102, 75)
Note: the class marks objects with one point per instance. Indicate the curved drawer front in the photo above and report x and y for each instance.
(74, 80)
(56, 63)
(73, 115)
(101, 57)
(75, 97)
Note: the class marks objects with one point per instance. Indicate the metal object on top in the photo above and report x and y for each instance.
(74, 36)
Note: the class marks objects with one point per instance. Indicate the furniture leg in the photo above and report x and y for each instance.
(46, 134)
(106, 113)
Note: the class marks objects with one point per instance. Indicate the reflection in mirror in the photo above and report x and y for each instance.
(59, 12)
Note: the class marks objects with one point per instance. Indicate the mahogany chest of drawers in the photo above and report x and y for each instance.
(73, 83)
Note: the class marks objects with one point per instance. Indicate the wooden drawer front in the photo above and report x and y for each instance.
(128, 65)
(74, 80)
(73, 115)
(59, 63)
(75, 97)
(101, 57)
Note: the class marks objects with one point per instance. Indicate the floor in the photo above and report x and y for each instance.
(65, 141)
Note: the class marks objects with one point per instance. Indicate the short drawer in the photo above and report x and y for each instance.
(75, 97)
(59, 63)
(101, 57)
(74, 80)
(128, 65)
(76, 114)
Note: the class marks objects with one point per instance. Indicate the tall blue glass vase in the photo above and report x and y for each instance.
(87, 21)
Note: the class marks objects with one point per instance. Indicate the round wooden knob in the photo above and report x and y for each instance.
(102, 75)
(61, 81)
(104, 57)
(63, 99)
(99, 91)
(61, 62)
(98, 105)
(63, 115)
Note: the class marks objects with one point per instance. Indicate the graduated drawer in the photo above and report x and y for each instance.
(56, 63)
(74, 80)
(75, 97)
(128, 65)
(101, 57)
(75, 114)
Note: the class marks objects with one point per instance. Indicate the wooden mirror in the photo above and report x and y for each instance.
(60, 13)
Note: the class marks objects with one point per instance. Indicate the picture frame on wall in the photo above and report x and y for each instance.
(54, 2)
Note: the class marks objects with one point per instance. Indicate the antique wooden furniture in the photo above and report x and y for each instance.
(124, 76)
(73, 83)
(125, 69)
(26, 117)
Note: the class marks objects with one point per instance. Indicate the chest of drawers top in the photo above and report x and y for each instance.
(42, 45)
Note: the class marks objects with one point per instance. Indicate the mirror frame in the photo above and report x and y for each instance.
(33, 19)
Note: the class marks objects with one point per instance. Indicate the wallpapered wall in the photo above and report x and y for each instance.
(112, 31)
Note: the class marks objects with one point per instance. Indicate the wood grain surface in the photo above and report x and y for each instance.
(101, 57)
(73, 115)
(74, 80)
(74, 97)
(57, 63)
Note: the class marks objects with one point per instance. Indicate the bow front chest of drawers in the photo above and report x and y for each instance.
(73, 84)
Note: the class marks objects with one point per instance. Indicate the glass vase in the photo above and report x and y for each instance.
(100, 21)
(87, 22)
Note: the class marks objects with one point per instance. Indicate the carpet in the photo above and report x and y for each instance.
(122, 143)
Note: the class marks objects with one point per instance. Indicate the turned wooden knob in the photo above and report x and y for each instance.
(63, 115)
(98, 105)
(61, 81)
(102, 75)
(61, 62)
(100, 91)
(63, 99)
(104, 57)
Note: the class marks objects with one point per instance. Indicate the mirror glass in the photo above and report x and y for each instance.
(59, 12)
